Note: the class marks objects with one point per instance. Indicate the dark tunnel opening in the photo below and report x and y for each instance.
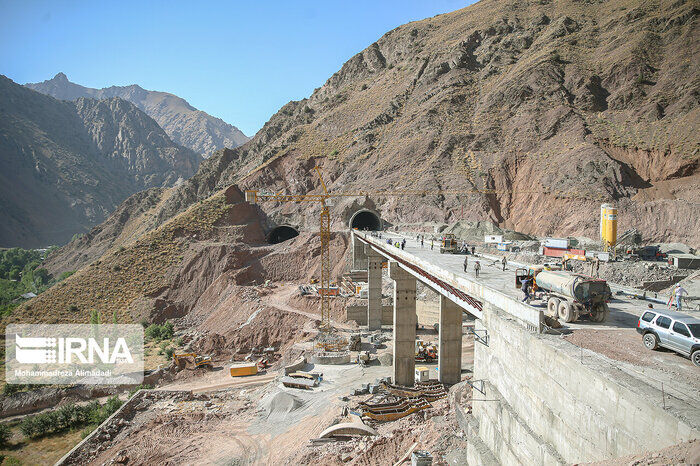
(365, 220)
(281, 233)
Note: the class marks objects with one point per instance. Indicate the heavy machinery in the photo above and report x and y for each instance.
(426, 352)
(198, 361)
(568, 295)
(448, 244)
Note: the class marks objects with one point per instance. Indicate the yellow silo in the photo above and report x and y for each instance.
(602, 222)
(609, 225)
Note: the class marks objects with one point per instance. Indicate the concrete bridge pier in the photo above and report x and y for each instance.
(359, 258)
(374, 285)
(450, 342)
(404, 325)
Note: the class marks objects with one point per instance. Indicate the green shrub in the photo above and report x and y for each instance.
(68, 417)
(5, 435)
(65, 275)
(157, 332)
(10, 388)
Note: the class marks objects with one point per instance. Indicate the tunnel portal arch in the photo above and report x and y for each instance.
(366, 219)
(282, 233)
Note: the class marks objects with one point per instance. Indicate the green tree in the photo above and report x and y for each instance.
(5, 435)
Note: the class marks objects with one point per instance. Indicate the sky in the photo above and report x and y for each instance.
(237, 60)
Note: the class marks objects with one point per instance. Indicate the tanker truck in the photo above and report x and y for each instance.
(568, 295)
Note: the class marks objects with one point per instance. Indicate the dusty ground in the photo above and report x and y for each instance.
(625, 344)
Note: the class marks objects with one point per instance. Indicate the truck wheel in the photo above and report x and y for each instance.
(566, 313)
(695, 357)
(552, 307)
(651, 341)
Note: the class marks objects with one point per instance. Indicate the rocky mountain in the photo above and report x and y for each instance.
(66, 165)
(184, 124)
(526, 114)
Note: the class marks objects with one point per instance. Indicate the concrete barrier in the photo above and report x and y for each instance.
(295, 366)
(330, 357)
(348, 428)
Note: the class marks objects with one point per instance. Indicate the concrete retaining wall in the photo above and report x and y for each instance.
(342, 357)
(295, 366)
(544, 404)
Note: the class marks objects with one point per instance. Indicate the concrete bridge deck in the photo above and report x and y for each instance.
(540, 398)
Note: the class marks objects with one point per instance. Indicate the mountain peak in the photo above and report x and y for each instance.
(184, 124)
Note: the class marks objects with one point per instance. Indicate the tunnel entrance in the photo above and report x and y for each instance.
(365, 220)
(281, 233)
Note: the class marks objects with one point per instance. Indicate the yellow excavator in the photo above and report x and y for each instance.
(198, 361)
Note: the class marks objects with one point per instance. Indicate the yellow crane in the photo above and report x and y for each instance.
(255, 196)
(325, 235)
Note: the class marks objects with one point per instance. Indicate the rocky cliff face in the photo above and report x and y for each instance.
(66, 165)
(527, 114)
(553, 106)
(184, 124)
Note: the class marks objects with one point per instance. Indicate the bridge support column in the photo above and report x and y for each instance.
(374, 284)
(359, 258)
(450, 348)
(404, 325)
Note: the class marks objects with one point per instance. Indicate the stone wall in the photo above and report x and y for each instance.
(544, 404)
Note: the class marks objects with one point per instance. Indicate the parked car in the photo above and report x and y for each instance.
(673, 330)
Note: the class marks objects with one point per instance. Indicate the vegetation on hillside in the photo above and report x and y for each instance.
(102, 291)
(20, 273)
(69, 417)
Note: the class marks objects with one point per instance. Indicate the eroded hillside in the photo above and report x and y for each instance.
(526, 99)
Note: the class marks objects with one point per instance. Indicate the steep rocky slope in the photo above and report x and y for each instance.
(66, 165)
(184, 124)
(201, 260)
(553, 106)
(598, 100)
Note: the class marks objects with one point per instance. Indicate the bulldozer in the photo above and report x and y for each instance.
(198, 361)
(448, 244)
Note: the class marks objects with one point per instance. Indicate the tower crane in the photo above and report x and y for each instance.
(254, 196)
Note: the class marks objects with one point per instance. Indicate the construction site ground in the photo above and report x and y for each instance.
(256, 420)
(615, 339)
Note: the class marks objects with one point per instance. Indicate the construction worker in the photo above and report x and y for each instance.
(421, 241)
(525, 286)
(504, 261)
(677, 294)
(477, 268)
(473, 249)
(466, 258)
(403, 244)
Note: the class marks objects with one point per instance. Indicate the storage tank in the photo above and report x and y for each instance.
(608, 224)
(602, 220)
(577, 287)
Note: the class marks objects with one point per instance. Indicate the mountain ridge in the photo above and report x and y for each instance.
(185, 124)
(67, 165)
